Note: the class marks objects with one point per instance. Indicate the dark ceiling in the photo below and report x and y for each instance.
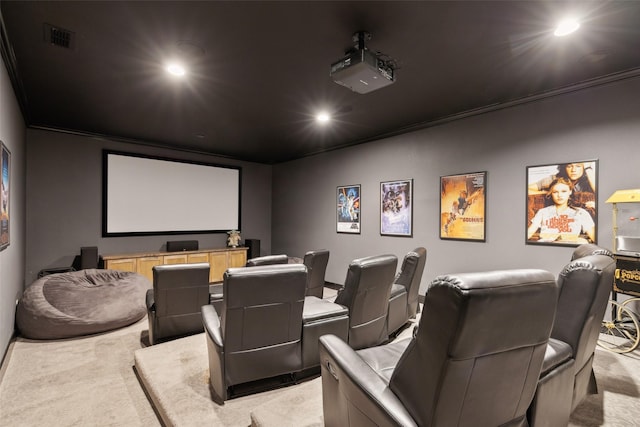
(260, 70)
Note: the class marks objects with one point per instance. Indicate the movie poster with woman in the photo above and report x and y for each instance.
(562, 206)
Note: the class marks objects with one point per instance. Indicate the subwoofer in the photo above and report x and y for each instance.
(254, 248)
(88, 257)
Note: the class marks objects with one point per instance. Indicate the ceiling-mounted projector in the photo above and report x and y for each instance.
(362, 70)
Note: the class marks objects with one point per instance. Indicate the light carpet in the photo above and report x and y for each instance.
(176, 375)
(90, 381)
(84, 381)
(617, 403)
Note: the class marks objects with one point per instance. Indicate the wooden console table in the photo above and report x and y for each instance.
(143, 262)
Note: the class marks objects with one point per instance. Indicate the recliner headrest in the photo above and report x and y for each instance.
(589, 249)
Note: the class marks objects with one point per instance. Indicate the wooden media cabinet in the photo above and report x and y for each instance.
(219, 260)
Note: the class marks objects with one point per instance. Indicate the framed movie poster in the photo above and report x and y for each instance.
(348, 204)
(462, 206)
(562, 206)
(396, 208)
(5, 179)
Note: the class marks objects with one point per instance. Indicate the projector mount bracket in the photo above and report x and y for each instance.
(360, 38)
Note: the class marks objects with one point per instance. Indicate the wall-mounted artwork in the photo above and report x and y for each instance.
(562, 206)
(5, 179)
(396, 208)
(348, 204)
(462, 206)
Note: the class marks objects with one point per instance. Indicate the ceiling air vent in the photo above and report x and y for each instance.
(59, 36)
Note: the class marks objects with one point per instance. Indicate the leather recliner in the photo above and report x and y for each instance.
(266, 326)
(215, 290)
(173, 305)
(403, 301)
(474, 360)
(567, 376)
(366, 293)
(258, 332)
(316, 262)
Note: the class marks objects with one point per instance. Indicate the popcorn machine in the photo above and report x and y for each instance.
(620, 332)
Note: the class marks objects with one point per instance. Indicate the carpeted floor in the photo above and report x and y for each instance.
(617, 403)
(176, 377)
(91, 381)
(86, 381)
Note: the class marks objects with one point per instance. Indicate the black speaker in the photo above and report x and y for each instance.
(88, 257)
(254, 248)
(182, 245)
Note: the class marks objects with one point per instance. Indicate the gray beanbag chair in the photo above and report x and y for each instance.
(82, 302)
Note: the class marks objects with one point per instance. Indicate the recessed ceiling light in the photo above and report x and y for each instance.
(175, 69)
(323, 117)
(566, 26)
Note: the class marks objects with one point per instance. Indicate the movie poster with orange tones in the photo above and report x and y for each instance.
(462, 206)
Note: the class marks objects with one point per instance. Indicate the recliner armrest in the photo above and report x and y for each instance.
(149, 300)
(215, 350)
(344, 373)
(211, 323)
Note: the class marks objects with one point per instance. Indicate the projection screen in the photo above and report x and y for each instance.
(145, 195)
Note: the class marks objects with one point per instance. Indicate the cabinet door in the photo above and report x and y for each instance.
(219, 263)
(176, 259)
(237, 258)
(146, 264)
(199, 257)
(123, 264)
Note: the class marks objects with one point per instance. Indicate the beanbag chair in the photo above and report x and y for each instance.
(82, 302)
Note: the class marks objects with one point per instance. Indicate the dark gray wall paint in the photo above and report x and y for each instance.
(12, 258)
(64, 207)
(597, 123)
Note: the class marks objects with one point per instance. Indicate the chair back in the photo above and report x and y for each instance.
(179, 292)
(585, 286)
(410, 276)
(366, 294)
(316, 262)
(261, 321)
(477, 354)
(267, 260)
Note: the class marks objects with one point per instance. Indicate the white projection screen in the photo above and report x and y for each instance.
(152, 196)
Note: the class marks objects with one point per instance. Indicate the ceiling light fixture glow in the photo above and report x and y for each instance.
(323, 117)
(566, 26)
(176, 69)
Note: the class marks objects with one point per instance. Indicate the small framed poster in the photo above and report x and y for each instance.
(396, 208)
(5, 195)
(348, 209)
(462, 206)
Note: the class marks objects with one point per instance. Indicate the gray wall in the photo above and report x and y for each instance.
(64, 207)
(597, 123)
(12, 133)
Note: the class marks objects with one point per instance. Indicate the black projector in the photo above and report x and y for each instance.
(362, 72)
